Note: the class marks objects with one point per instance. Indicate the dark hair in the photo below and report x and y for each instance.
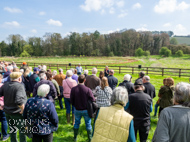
(142, 74)
(81, 78)
(49, 70)
(101, 75)
(49, 76)
(75, 71)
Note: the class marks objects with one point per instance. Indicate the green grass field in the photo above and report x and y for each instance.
(65, 131)
(183, 40)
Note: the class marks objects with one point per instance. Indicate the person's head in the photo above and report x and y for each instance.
(6, 64)
(16, 76)
(69, 73)
(169, 82)
(164, 81)
(43, 76)
(111, 72)
(26, 73)
(119, 96)
(22, 71)
(101, 74)
(40, 67)
(16, 70)
(43, 90)
(49, 70)
(182, 94)
(94, 70)
(104, 82)
(44, 67)
(81, 78)
(106, 67)
(86, 72)
(49, 76)
(30, 68)
(54, 73)
(79, 64)
(75, 71)
(60, 71)
(138, 85)
(141, 74)
(9, 68)
(24, 63)
(127, 77)
(146, 79)
(36, 70)
(1, 77)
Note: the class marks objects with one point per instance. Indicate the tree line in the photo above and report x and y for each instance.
(88, 44)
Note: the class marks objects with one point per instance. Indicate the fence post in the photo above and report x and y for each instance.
(119, 69)
(57, 66)
(49, 66)
(162, 71)
(132, 70)
(179, 72)
(147, 70)
(66, 67)
(85, 67)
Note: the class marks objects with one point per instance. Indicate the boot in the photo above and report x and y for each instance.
(75, 134)
(68, 118)
(89, 133)
(73, 119)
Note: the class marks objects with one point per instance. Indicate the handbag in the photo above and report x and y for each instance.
(91, 108)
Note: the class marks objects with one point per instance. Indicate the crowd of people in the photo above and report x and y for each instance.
(27, 103)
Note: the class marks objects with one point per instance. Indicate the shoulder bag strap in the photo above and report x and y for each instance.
(67, 83)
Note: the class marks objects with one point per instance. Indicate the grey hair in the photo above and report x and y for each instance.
(94, 70)
(43, 90)
(9, 68)
(127, 77)
(147, 78)
(119, 96)
(54, 72)
(39, 66)
(60, 70)
(86, 72)
(43, 76)
(69, 73)
(182, 94)
(44, 67)
(22, 70)
(73, 70)
(112, 71)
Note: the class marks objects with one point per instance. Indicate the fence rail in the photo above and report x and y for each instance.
(120, 69)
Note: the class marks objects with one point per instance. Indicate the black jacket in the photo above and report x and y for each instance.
(150, 89)
(112, 81)
(32, 81)
(139, 107)
(129, 86)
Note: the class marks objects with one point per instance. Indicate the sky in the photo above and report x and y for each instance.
(31, 18)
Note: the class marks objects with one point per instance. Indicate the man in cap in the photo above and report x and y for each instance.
(79, 69)
(14, 102)
(34, 78)
(140, 106)
(24, 66)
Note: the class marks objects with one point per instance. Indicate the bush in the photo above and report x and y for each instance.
(146, 53)
(165, 52)
(111, 54)
(24, 54)
(139, 52)
(179, 53)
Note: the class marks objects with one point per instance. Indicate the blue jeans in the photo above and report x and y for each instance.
(68, 106)
(60, 97)
(78, 73)
(4, 124)
(156, 109)
(87, 119)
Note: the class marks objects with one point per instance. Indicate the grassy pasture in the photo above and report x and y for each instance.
(65, 131)
(183, 40)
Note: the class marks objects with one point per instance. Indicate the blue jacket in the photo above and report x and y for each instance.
(41, 115)
(112, 81)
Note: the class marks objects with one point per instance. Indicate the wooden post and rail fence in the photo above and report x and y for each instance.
(180, 72)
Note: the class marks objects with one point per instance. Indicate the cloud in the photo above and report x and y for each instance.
(142, 29)
(33, 31)
(123, 14)
(112, 10)
(12, 10)
(112, 31)
(11, 24)
(137, 6)
(99, 5)
(42, 13)
(165, 6)
(167, 25)
(54, 23)
(180, 30)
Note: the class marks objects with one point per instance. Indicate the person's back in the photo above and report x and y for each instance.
(59, 78)
(149, 89)
(92, 81)
(139, 107)
(112, 81)
(14, 95)
(33, 79)
(128, 85)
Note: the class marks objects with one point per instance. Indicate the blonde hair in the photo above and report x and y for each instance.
(104, 82)
(169, 82)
